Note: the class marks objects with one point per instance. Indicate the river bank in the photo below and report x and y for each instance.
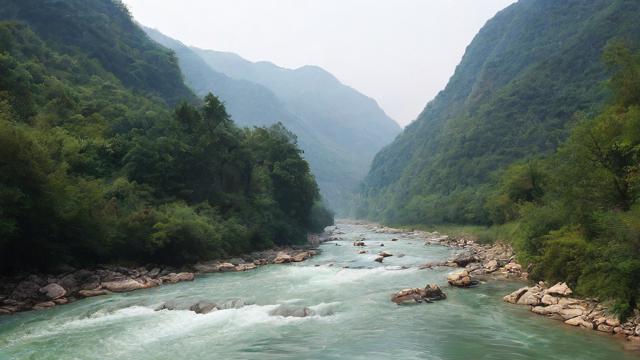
(44, 291)
(483, 262)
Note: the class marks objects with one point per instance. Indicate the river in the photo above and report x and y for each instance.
(354, 318)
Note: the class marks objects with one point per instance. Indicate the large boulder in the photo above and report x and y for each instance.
(547, 310)
(570, 313)
(53, 291)
(173, 278)
(430, 293)
(465, 258)
(461, 279)
(515, 296)
(226, 267)
(579, 321)
(560, 289)
(549, 300)
(532, 297)
(301, 256)
(245, 267)
(124, 285)
(491, 266)
(282, 258)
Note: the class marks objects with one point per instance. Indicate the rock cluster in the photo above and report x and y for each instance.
(37, 292)
(429, 293)
(556, 302)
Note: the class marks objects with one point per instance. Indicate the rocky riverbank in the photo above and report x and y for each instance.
(43, 291)
(478, 262)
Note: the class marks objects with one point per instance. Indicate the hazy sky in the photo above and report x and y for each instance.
(400, 52)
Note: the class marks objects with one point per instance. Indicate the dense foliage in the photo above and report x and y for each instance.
(514, 95)
(339, 129)
(576, 212)
(93, 169)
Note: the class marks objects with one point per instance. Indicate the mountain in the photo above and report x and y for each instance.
(339, 129)
(518, 87)
(104, 31)
(98, 166)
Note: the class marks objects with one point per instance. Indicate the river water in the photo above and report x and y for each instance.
(354, 318)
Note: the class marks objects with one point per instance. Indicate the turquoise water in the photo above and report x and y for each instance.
(354, 318)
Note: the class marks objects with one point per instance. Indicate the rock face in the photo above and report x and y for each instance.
(53, 291)
(461, 279)
(430, 293)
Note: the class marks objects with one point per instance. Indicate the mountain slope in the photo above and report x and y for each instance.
(520, 82)
(335, 144)
(96, 169)
(352, 120)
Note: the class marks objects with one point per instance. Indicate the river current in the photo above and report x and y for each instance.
(352, 316)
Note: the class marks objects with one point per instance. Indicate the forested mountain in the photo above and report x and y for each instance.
(522, 80)
(251, 104)
(98, 165)
(339, 129)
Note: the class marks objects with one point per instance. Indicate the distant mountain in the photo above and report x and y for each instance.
(339, 129)
(522, 79)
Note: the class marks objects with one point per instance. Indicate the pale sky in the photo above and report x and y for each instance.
(399, 52)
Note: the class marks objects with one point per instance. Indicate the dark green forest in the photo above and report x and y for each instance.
(536, 137)
(106, 156)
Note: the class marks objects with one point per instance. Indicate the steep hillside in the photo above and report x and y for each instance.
(521, 80)
(339, 129)
(95, 169)
(104, 31)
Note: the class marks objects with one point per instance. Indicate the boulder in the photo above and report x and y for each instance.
(236, 261)
(531, 297)
(431, 292)
(513, 268)
(203, 307)
(245, 267)
(465, 258)
(53, 291)
(123, 285)
(260, 262)
(44, 305)
(282, 258)
(301, 256)
(292, 311)
(460, 279)
(92, 293)
(515, 296)
(379, 259)
(384, 254)
(568, 313)
(579, 321)
(560, 289)
(173, 278)
(547, 310)
(362, 252)
(359, 243)
(491, 266)
(549, 300)
(226, 267)
(605, 328)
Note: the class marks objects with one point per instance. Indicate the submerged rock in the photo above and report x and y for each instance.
(292, 311)
(203, 307)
